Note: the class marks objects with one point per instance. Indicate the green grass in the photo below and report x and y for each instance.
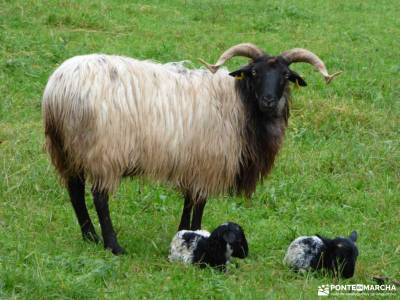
(339, 168)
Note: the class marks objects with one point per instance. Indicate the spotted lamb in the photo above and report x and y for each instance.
(336, 255)
(215, 249)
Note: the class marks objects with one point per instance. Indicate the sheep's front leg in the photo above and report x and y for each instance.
(198, 213)
(76, 191)
(186, 212)
(109, 237)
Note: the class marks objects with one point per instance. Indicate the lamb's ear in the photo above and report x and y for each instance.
(229, 237)
(296, 78)
(353, 236)
(242, 72)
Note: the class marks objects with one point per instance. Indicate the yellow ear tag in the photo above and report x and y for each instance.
(239, 77)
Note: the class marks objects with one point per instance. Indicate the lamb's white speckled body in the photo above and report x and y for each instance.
(181, 249)
(303, 251)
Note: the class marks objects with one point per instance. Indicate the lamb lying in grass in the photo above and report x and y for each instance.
(336, 255)
(215, 249)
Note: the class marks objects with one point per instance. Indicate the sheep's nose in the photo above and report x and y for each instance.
(267, 102)
(269, 99)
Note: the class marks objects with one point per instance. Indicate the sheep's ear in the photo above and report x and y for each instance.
(229, 237)
(242, 72)
(296, 78)
(353, 236)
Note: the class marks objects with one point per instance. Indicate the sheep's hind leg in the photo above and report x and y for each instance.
(198, 213)
(109, 237)
(76, 191)
(186, 212)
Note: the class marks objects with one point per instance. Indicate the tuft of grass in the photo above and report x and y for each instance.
(338, 170)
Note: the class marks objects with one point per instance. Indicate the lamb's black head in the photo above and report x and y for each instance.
(268, 75)
(231, 235)
(266, 79)
(341, 254)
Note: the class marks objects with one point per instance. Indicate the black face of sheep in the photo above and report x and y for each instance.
(225, 241)
(267, 78)
(233, 235)
(341, 254)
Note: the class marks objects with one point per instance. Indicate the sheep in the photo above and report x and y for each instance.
(206, 133)
(338, 255)
(215, 249)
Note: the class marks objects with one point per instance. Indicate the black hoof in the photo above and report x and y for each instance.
(116, 250)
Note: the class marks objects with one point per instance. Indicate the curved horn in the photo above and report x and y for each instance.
(304, 55)
(245, 49)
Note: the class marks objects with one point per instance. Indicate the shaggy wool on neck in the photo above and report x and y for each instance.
(263, 138)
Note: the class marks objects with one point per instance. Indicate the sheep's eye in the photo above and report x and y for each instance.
(286, 76)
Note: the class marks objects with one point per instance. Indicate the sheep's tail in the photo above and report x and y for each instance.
(54, 144)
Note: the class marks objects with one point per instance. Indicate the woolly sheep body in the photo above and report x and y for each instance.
(116, 116)
(304, 253)
(182, 251)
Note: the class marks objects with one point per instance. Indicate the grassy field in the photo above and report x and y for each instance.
(339, 169)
